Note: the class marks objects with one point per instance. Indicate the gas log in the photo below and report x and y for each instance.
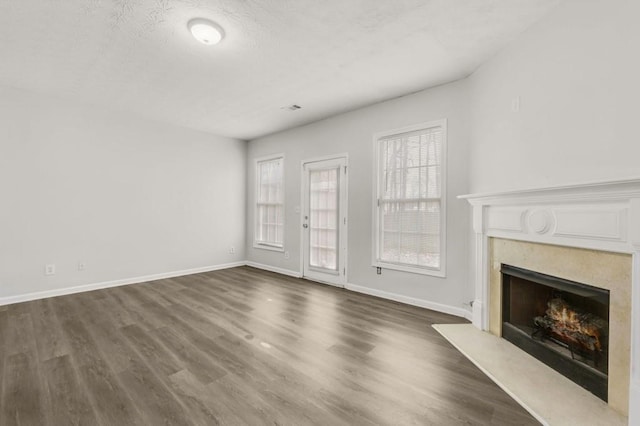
(575, 328)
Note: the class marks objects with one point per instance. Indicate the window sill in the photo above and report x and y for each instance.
(268, 247)
(440, 273)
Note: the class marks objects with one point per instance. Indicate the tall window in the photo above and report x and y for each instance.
(409, 207)
(270, 204)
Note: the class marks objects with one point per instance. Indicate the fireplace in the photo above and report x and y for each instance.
(563, 323)
(586, 233)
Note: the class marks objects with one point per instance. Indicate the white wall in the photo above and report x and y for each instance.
(577, 73)
(127, 196)
(352, 133)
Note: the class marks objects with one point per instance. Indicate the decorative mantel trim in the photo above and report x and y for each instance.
(626, 188)
(596, 215)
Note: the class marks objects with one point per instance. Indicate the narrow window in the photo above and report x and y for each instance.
(409, 208)
(269, 204)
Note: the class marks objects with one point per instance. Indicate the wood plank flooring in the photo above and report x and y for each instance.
(238, 346)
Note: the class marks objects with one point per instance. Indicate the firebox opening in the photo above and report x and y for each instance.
(562, 323)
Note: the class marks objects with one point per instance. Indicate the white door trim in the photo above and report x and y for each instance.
(344, 221)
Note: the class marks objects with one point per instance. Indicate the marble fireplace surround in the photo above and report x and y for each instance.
(588, 233)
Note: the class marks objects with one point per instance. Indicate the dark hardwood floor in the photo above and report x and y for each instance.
(239, 346)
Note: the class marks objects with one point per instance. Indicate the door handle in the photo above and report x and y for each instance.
(304, 225)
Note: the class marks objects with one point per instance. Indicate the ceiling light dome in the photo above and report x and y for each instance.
(205, 31)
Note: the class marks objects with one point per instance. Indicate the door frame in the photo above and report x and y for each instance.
(343, 233)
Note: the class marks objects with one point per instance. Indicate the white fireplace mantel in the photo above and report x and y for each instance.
(599, 216)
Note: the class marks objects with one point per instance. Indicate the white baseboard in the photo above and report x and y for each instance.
(468, 315)
(439, 307)
(459, 312)
(135, 280)
(275, 269)
(106, 284)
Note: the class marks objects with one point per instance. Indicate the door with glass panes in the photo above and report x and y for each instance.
(324, 220)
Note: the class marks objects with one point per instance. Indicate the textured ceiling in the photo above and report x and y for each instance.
(328, 56)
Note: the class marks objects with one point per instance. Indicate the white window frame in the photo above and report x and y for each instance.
(258, 244)
(377, 170)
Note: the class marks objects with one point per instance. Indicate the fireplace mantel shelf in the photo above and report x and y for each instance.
(627, 188)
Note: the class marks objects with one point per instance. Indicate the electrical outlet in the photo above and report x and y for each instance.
(286, 254)
(50, 269)
(232, 250)
(81, 266)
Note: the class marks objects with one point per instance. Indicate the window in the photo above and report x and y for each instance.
(409, 209)
(270, 204)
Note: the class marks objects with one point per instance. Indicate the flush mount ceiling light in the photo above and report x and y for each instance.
(205, 31)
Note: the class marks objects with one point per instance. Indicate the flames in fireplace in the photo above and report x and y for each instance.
(578, 330)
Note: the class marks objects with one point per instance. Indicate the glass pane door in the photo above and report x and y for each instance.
(323, 218)
(324, 221)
